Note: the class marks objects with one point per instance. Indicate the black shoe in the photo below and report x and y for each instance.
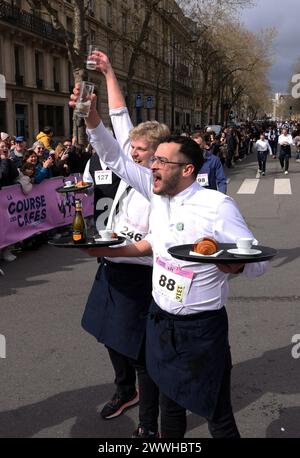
(118, 404)
(143, 432)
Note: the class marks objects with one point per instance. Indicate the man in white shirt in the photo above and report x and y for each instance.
(187, 348)
(285, 141)
(263, 148)
(118, 304)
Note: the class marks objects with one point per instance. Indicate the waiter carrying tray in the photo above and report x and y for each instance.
(187, 349)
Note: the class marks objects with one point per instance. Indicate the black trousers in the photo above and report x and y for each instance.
(284, 162)
(148, 392)
(221, 425)
(262, 166)
(125, 377)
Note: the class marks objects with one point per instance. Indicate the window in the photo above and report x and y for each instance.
(126, 58)
(91, 8)
(110, 50)
(56, 74)
(70, 77)
(53, 116)
(69, 24)
(92, 37)
(3, 127)
(1, 54)
(109, 14)
(19, 65)
(124, 23)
(39, 69)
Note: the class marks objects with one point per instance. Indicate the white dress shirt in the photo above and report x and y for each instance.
(285, 138)
(194, 213)
(263, 145)
(129, 216)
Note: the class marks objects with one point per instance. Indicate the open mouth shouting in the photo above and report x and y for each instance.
(156, 180)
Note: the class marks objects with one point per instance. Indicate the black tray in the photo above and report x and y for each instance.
(67, 242)
(182, 252)
(62, 189)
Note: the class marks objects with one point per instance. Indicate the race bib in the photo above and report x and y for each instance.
(103, 177)
(202, 178)
(131, 234)
(172, 281)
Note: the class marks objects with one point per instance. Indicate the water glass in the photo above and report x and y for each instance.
(91, 63)
(84, 101)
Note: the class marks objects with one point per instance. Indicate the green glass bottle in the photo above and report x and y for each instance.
(78, 225)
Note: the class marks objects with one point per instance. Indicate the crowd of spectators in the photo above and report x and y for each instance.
(28, 165)
(46, 158)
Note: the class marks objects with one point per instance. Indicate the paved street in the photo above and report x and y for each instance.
(55, 376)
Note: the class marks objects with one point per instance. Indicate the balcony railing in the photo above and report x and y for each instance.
(27, 21)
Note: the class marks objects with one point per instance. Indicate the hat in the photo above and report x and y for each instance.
(20, 139)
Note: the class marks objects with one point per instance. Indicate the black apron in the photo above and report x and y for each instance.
(117, 307)
(186, 356)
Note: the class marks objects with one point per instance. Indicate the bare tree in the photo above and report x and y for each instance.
(75, 43)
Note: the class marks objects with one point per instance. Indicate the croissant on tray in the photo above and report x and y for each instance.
(80, 184)
(206, 246)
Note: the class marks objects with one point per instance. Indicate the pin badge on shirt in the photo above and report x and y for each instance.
(179, 226)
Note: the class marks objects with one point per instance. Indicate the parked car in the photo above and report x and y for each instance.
(214, 127)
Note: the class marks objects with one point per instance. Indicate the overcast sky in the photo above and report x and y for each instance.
(285, 17)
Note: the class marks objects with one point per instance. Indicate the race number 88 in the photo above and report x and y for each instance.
(167, 283)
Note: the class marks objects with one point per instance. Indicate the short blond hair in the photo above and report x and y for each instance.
(153, 131)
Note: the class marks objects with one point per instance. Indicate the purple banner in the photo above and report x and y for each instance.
(22, 216)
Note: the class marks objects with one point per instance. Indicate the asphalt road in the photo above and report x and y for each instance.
(55, 377)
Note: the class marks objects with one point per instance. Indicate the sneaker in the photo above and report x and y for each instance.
(118, 404)
(297, 160)
(263, 174)
(8, 256)
(144, 432)
(1, 272)
(286, 172)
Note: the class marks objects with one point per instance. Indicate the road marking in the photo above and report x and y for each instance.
(248, 186)
(282, 186)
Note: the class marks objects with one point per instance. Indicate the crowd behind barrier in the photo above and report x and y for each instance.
(23, 216)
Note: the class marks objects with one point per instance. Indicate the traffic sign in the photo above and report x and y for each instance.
(149, 101)
(138, 101)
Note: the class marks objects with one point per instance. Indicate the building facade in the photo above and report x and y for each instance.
(39, 78)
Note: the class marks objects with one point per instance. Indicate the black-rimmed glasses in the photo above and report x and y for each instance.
(162, 161)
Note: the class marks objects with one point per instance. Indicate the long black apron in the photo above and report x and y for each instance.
(186, 356)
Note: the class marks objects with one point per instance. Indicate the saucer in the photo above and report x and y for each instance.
(237, 252)
(100, 239)
(68, 186)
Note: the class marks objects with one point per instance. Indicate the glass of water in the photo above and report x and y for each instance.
(84, 100)
(91, 63)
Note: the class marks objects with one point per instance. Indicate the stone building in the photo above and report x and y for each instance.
(34, 62)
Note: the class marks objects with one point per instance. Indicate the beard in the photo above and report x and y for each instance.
(167, 186)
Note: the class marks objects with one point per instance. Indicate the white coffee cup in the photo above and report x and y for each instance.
(244, 244)
(106, 234)
(68, 183)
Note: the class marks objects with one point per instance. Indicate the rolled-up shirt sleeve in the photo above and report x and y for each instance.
(229, 225)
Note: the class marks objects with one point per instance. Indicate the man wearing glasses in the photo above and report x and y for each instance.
(187, 348)
(16, 154)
